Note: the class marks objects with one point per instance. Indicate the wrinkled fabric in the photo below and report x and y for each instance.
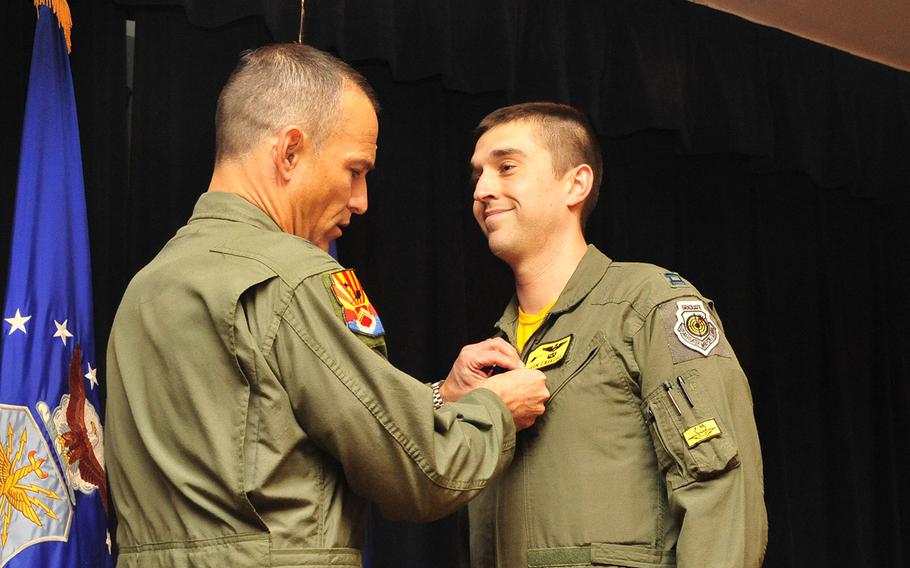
(606, 476)
(248, 426)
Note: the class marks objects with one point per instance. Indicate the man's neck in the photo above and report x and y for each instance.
(540, 279)
(243, 178)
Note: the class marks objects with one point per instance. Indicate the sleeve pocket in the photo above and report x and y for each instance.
(691, 442)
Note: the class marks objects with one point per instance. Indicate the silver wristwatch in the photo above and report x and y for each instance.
(437, 396)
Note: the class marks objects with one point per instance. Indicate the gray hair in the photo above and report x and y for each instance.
(278, 85)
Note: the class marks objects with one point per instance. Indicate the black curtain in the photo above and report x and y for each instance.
(769, 170)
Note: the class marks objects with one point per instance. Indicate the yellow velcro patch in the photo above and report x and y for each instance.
(701, 432)
(548, 354)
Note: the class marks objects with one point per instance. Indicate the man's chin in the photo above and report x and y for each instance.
(500, 246)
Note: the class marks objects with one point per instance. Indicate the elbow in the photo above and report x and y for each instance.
(432, 504)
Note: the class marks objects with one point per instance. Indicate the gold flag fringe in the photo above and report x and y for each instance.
(62, 10)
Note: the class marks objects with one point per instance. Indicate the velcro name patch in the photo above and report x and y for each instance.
(548, 354)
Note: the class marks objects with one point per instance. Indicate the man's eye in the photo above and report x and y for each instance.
(506, 167)
(356, 173)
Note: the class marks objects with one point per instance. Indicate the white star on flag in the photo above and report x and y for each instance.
(92, 375)
(17, 322)
(62, 333)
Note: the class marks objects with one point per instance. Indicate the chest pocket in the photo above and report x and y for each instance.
(691, 442)
(580, 360)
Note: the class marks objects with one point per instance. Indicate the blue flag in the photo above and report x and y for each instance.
(53, 494)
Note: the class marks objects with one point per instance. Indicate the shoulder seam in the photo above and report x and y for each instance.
(292, 281)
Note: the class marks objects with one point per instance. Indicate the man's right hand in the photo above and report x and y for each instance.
(471, 368)
(524, 392)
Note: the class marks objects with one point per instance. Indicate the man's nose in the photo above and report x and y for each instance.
(483, 188)
(358, 202)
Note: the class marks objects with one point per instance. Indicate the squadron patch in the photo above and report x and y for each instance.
(694, 326)
(548, 354)
(359, 314)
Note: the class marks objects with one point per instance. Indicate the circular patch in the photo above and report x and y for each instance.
(697, 325)
(694, 327)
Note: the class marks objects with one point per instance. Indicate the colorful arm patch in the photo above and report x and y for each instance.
(359, 314)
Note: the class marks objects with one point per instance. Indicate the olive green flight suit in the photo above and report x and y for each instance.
(247, 425)
(606, 476)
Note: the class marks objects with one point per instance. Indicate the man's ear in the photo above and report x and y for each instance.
(288, 150)
(580, 179)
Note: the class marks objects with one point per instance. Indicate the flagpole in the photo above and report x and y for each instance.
(300, 32)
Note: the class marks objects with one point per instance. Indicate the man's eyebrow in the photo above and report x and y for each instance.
(503, 152)
(500, 153)
(365, 163)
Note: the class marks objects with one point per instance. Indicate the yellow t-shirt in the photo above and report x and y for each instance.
(528, 324)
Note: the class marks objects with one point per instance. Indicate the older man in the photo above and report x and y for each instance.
(647, 455)
(251, 410)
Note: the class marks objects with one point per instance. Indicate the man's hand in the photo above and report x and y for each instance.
(468, 372)
(524, 391)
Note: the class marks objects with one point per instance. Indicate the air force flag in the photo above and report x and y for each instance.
(53, 493)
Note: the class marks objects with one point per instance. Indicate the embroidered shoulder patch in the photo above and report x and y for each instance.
(675, 280)
(549, 354)
(694, 326)
(359, 314)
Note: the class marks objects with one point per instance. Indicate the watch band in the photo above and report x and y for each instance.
(437, 396)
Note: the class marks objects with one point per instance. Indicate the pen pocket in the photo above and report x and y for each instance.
(690, 440)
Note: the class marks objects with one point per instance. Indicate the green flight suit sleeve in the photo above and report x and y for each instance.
(704, 434)
(379, 423)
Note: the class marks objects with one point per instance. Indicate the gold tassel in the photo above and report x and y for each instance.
(62, 10)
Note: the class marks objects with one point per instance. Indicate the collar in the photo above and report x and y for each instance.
(589, 272)
(231, 207)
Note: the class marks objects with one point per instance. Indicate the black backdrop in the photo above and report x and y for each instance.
(771, 171)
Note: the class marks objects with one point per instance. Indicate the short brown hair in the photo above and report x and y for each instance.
(277, 85)
(564, 131)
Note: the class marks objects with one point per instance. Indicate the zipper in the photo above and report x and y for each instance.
(660, 438)
(580, 368)
(534, 340)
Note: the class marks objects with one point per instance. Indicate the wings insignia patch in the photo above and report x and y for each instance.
(549, 354)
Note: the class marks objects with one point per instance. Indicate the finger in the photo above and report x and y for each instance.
(527, 422)
(488, 358)
(501, 345)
